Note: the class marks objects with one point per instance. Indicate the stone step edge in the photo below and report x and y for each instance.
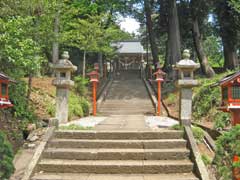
(76, 176)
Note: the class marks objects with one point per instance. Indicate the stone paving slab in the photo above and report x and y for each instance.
(90, 121)
(160, 121)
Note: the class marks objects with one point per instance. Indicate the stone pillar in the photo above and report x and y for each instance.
(186, 67)
(63, 83)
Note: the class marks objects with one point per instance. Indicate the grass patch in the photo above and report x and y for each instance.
(74, 127)
(177, 127)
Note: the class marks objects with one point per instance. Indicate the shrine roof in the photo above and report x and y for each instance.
(4, 76)
(129, 47)
(228, 78)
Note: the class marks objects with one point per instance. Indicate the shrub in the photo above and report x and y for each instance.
(6, 158)
(198, 134)
(75, 108)
(85, 106)
(228, 145)
(204, 100)
(22, 109)
(51, 109)
(206, 159)
(80, 85)
(221, 120)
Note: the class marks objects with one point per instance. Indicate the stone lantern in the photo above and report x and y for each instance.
(186, 67)
(63, 83)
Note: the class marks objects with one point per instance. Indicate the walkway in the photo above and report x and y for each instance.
(127, 96)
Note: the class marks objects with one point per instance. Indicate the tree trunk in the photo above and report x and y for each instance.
(100, 62)
(29, 87)
(174, 45)
(55, 48)
(230, 54)
(84, 64)
(148, 13)
(206, 68)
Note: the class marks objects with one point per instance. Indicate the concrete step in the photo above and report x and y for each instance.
(72, 176)
(116, 154)
(115, 166)
(137, 144)
(116, 107)
(122, 112)
(162, 134)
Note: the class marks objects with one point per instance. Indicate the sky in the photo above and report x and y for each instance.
(130, 25)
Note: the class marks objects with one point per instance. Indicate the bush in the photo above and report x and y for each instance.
(85, 106)
(75, 108)
(204, 100)
(228, 145)
(6, 158)
(221, 120)
(206, 159)
(21, 109)
(51, 109)
(80, 85)
(198, 134)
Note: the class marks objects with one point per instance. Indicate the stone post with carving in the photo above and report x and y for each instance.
(186, 82)
(63, 83)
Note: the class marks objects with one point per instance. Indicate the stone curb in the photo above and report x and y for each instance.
(38, 154)
(200, 168)
(151, 94)
(104, 92)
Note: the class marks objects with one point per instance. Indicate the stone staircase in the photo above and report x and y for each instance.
(127, 96)
(116, 155)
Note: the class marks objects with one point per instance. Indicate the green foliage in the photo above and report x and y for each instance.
(85, 106)
(74, 127)
(235, 4)
(206, 97)
(213, 50)
(171, 99)
(198, 134)
(22, 110)
(6, 158)
(221, 120)
(78, 106)
(51, 109)
(18, 50)
(206, 159)
(75, 108)
(177, 127)
(228, 145)
(80, 85)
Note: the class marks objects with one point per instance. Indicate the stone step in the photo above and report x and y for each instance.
(116, 154)
(122, 112)
(72, 176)
(129, 103)
(137, 144)
(117, 107)
(162, 134)
(115, 166)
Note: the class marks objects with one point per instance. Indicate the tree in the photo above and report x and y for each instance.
(229, 31)
(150, 31)
(198, 15)
(173, 43)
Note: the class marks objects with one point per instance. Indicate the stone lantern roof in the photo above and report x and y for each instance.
(186, 63)
(64, 64)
